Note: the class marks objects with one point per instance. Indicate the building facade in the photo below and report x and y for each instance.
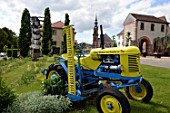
(57, 34)
(142, 30)
(120, 39)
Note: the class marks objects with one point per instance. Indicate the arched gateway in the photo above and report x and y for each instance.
(145, 46)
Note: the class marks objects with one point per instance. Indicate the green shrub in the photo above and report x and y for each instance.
(168, 49)
(31, 73)
(53, 86)
(7, 96)
(35, 102)
(15, 54)
(27, 77)
(55, 50)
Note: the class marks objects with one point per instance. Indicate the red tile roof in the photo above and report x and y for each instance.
(121, 32)
(163, 18)
(58, 24)
(148, 18)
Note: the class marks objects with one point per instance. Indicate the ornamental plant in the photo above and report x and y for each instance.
(35, 102)
(53, 86)
(7, 96)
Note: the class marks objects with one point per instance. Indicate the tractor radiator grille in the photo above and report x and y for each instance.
(133, 62)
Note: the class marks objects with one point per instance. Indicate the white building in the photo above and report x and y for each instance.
(120, 40)
(143, 29)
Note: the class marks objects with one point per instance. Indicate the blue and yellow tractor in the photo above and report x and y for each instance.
(103, 72)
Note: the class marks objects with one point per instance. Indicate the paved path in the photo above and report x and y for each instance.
(160, 62)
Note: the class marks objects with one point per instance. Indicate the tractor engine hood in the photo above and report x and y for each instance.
(95, 53)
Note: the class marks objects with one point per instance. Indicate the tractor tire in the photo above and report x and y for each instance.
(110, 100)
(56, 69)
(143, 92)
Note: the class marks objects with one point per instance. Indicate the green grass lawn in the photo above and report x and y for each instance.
(157, 76)
(13, 75)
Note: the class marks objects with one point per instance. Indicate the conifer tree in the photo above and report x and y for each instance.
(24, 41)
(67, 22)
(47, 33)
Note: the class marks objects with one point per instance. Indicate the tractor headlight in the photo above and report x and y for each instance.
(120, 67)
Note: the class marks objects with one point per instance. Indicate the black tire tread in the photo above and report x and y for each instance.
(149, 89)
(59, 69)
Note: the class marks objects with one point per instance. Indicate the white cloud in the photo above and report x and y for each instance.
(111, 13)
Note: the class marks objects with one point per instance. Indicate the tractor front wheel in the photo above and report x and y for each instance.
(56, 70)
(143, 92)
(110, 100)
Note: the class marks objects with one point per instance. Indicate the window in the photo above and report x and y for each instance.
(118, 43)
(152, 27)
(141, 26)
(54, 32)
(54, 43)
(162, 28)
(36, 50)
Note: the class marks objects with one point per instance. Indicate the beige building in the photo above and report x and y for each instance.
(57, 33)
(142, 30)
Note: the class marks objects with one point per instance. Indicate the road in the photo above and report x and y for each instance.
(160, 62)
(150, 60)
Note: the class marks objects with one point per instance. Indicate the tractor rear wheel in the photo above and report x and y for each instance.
(56, 70)
(110, 100)
(143, 92)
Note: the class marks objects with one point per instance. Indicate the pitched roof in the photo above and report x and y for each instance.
(163, 18)
(148, 18)
(58, 24)
(121, 32)
(106, 38)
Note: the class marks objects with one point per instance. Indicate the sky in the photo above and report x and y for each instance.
(110, 13)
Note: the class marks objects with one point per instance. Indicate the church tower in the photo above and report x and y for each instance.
(95, 34)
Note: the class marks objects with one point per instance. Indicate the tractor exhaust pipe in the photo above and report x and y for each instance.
(102, 37)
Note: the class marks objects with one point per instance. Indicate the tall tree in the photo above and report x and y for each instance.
(114, 41)
(3, 39)
(24, 41)
(47, 32)
(11, 39)
(66, 23)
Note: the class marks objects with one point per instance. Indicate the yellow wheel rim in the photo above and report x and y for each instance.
(51, 73)
(109, 104)
(138, 93)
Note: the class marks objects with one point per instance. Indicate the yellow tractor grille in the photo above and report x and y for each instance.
(133, 63)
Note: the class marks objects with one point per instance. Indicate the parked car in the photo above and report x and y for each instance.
(3, 55)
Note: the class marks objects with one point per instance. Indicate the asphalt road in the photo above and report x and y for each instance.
(159, 62)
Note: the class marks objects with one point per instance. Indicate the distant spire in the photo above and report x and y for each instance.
(96, 21)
